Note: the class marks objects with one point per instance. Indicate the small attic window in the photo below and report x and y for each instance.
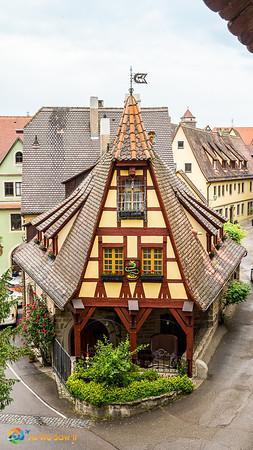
(152, 137)
(224, 164)
(180, 144)
(19, 158)
(215, 164)
(36, 143)
(232, 164)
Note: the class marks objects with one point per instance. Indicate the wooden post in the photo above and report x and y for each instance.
(77, 339)
(133, 343)
(189, 349)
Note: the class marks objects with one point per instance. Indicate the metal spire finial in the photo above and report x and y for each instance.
(131, 81)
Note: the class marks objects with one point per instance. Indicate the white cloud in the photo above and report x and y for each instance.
(56, 54)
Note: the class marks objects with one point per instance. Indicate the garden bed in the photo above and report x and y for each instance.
(117, 410)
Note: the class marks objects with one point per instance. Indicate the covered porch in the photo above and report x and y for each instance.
(167, 334)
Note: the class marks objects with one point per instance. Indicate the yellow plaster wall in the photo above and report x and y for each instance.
(114, 179)
(170, 251)
(155, 219)
(227, 200)
(111, 200)
(185, 155)
(196, 226)
(132, 246)
(173, 272)
(151, 289)
(92, 270)
(87, 289)
(149, 179)
(108, 219)
(112, 239)
(177, 291)
(94, 250)
(112, 289)
(152, 199)
(132, 223)
(152, 239)
(65, 231)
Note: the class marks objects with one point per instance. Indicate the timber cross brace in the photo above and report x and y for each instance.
(133, 322)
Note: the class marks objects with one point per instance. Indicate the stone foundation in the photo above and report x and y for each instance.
(115, 410)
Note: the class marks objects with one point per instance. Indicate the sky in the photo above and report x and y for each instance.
(61, 52)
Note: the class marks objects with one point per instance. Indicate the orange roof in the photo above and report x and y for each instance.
(246, 134)
(10, 205)
(188, 115)
(9, 125)
(131, 141)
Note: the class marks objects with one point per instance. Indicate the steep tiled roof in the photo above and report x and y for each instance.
(246, 134)
(239, 14)
(65, 149)
(11, 128)
(131, 141)
(208, 146)
(60, 278)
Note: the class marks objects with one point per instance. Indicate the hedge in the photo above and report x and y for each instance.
(98, 394)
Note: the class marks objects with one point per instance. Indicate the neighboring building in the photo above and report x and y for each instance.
(219, 165)
(239, 15)
(129, 251)
(61, 145)
(11, 157)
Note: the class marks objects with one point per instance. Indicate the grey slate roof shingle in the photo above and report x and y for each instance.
(65, 149)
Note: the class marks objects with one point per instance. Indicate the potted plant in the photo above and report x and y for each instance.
(152, 276)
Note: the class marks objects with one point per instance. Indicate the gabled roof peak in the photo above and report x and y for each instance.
(131, 141)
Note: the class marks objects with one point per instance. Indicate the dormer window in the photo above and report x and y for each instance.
(232, 164)
(215, 164)
(131, 197)
(224, 164)
(19, 158)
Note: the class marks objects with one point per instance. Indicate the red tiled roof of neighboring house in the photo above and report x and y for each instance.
(11, 129)
(239, 14)
(10, 205)
(246, 134)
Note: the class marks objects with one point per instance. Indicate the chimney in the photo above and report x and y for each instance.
(104, 133)
(94, 117)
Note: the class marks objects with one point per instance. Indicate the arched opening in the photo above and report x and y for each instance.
(19, 158)
(93, 332)
(169, 326)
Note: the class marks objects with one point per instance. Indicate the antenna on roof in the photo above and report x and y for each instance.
(232, 122)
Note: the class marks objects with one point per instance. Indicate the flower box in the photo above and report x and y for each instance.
(152, 277)
(131, 214)
(111, 277)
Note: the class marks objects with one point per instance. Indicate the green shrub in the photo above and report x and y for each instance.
(234, 231)
(111, 366)
(237, 292)
(99, 394)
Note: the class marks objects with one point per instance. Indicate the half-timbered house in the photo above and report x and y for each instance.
(128, 252)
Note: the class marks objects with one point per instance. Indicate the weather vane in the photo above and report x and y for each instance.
(138, 78)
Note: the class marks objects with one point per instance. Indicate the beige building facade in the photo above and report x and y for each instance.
(216, 164)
